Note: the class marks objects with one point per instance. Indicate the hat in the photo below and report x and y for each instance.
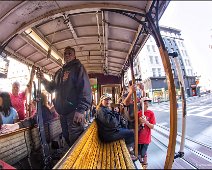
(146, 99)
(105, 96)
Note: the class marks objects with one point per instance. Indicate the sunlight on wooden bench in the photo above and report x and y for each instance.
(90, 153)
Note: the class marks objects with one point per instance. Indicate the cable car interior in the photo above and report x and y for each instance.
(107, 36)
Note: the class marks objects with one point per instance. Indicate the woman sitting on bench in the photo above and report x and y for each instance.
(111, 126)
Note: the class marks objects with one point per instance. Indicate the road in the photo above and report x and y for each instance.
(199, 117)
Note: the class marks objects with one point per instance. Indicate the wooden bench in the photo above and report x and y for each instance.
(89, 152)
(17, 145)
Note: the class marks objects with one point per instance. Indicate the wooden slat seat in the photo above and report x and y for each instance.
(17, 145)
(90, 153)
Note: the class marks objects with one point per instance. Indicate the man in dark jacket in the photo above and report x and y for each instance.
(73, 95)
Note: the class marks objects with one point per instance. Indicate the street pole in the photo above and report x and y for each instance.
(182, 89)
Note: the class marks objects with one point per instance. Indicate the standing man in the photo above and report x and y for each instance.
(73, 95)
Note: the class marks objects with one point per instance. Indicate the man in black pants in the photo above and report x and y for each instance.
(73, 95)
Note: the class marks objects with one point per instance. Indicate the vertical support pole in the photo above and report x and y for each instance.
(51, 95)
(122, 81)
(172, 93)
(182, 87)
(29, 110)
(98, 91)
(135, 107)
(113, 95)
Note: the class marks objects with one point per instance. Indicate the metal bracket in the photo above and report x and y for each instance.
(173, 54)
(179, 155)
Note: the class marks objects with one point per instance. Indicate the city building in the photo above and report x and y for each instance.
(150, 68)
(4, 64)
(15, 71)
(210, 43)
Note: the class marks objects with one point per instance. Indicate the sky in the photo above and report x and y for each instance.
(194, 19)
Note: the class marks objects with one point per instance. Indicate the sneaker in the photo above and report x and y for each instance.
(134, 158)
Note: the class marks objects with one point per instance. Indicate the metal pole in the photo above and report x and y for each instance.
(135, 108)
(182, 88)
(172, 93)
(143, 95)
(29, 112)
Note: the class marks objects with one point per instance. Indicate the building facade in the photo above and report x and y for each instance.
(4, 64)
(148, 66)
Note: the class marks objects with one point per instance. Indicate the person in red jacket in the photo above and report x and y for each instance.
(144, 134)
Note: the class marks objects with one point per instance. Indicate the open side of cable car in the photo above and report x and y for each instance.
(107, 36)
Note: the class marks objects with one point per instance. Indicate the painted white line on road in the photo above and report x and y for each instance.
(205, 112)
(210, 117)
(194, 110)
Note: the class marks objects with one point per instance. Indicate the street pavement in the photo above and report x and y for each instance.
(199, 117)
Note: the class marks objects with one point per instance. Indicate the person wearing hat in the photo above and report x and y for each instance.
(144, 134)
(109, 124)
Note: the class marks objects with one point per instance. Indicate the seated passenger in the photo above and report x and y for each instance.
(8, 114)
(48, 114)
(110, 127)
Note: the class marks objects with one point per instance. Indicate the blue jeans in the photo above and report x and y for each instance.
(126, 134)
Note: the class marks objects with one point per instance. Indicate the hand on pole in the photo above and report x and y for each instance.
(132, 89)
(140, 86)
(40, 75)
(142, 120)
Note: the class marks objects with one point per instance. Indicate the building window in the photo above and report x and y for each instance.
(182, 44)
(189, 63)
(174, 43)
(173, 72)
(151, 59)
(170, 42)
(153, 48)
(148, 48)
(153, 72)
(170, 61)
(159, 72)
(164, 41)
(156, 60)
(181, 62)
(178, 52)
(191, 73)
(182, 52)
(186, 53)
(183, 71)
(185, 62)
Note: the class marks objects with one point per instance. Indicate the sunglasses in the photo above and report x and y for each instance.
(68, 53)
